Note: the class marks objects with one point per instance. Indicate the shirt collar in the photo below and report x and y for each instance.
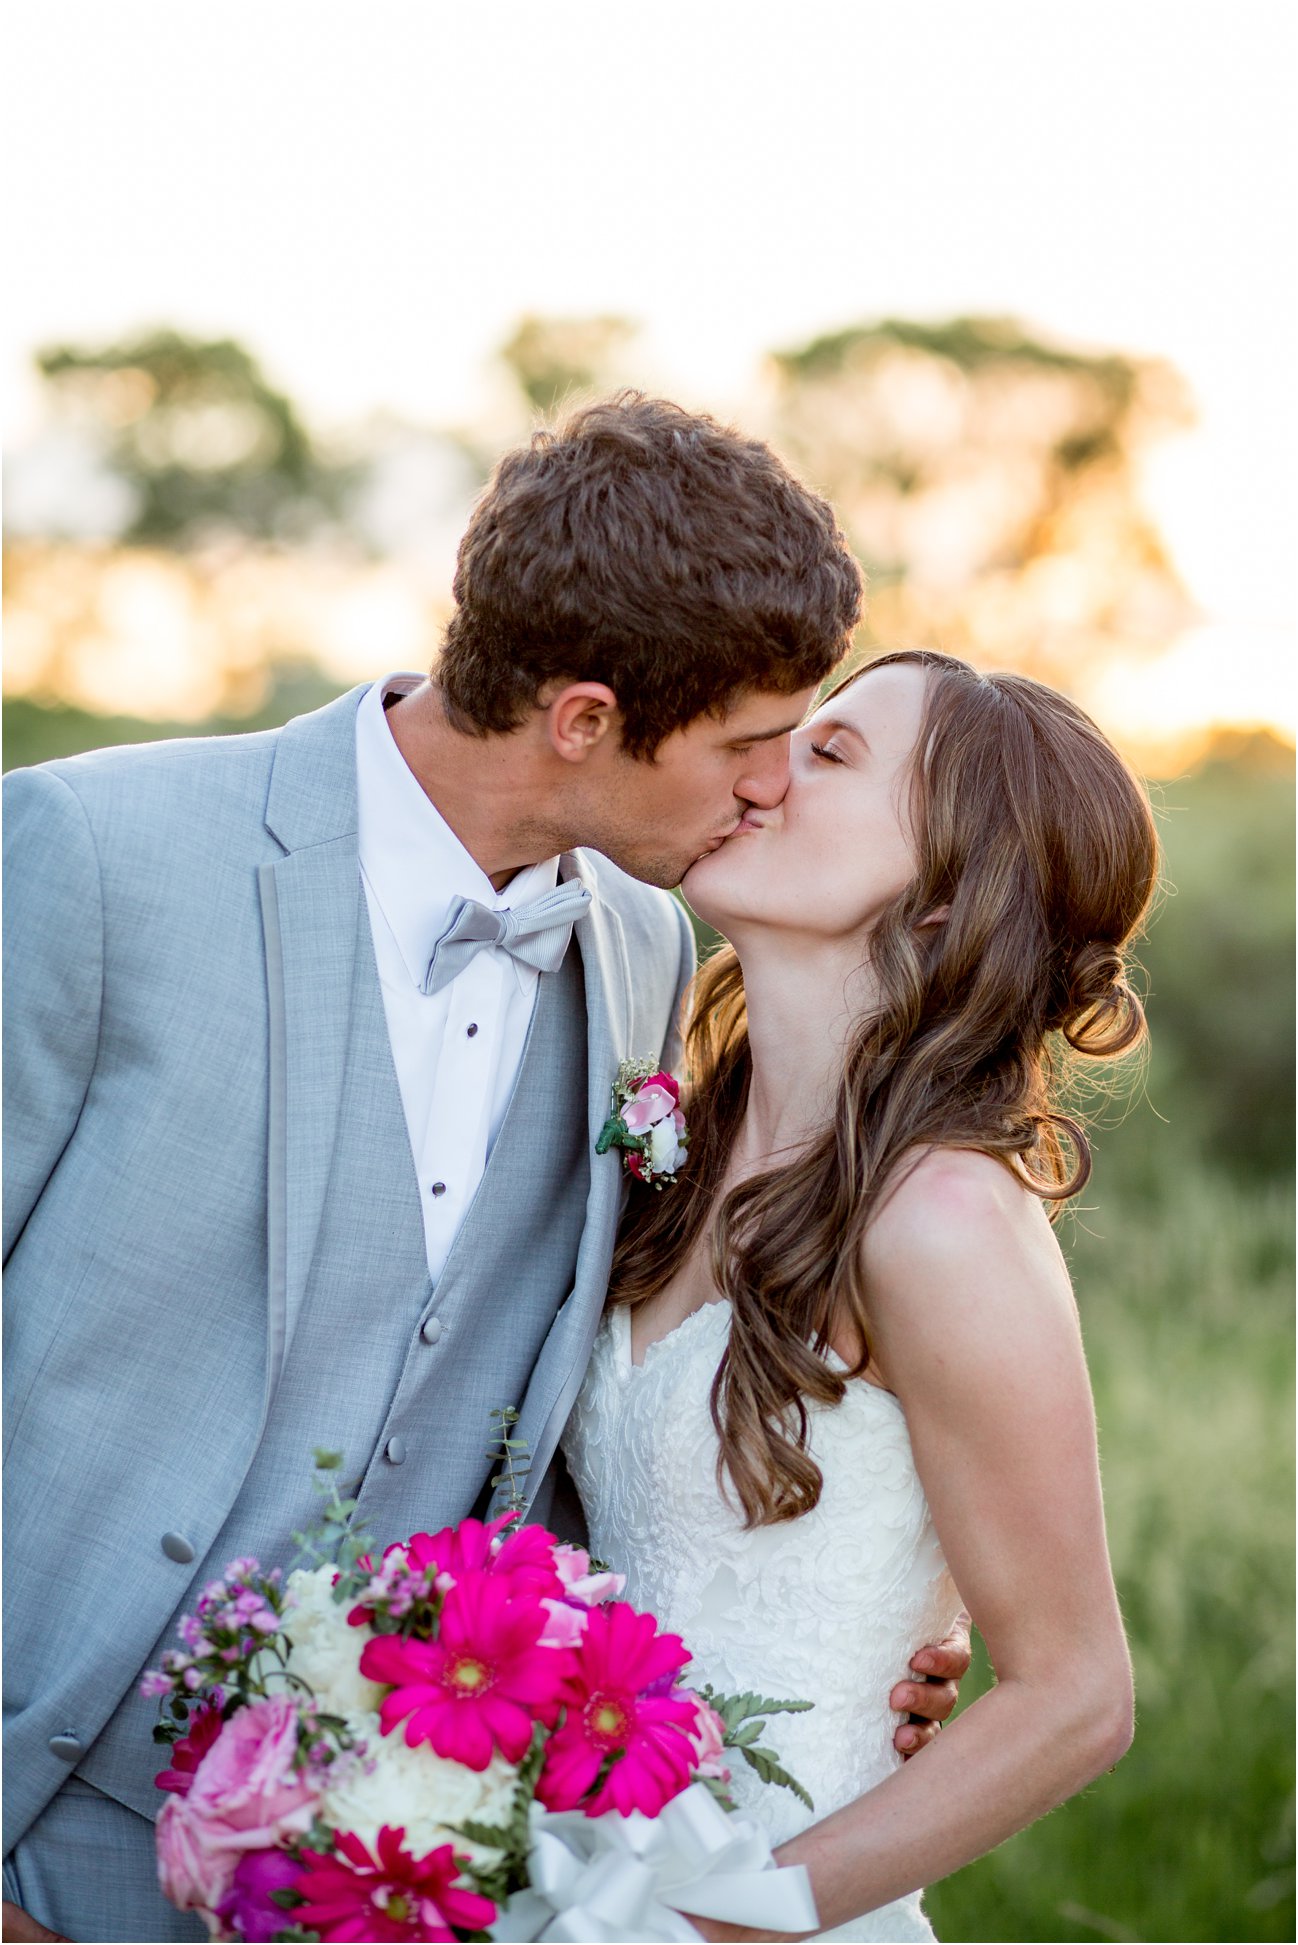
(412, 860)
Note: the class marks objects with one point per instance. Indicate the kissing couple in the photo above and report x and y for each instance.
(310, 1037)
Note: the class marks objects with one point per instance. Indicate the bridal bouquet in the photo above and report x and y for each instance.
(470, 1737)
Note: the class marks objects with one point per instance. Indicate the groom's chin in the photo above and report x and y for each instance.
(664, 873)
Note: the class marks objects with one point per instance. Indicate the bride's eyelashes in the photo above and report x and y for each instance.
(823, 750)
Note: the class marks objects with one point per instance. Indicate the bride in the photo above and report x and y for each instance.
(841, 1374)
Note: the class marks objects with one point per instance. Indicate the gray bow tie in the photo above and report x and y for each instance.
(536, 933)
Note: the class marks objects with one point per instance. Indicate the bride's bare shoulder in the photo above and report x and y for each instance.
(956, 1213)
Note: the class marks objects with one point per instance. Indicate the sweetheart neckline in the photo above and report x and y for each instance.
(628, 1368)
(626, 1356)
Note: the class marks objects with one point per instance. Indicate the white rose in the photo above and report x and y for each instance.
(665, 1152)
(417, 1789)
(326, 1651)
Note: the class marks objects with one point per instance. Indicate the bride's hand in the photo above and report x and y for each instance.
(930, 1702)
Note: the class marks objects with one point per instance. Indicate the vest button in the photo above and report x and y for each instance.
(431, 1329)
(438, 1188)
(395, 1451)
(66, 1747)
(178, 1548)
(471, 1029)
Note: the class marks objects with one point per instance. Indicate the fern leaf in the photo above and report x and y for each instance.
(771, 1770)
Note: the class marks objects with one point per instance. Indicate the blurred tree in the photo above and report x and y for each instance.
(37, 732)
(554, 357)
(205, 443)
(988, 480)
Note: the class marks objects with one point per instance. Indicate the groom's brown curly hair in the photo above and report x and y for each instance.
(652, 549)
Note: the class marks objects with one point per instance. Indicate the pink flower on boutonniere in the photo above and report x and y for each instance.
(646, 1123)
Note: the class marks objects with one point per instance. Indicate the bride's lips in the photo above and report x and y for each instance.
(746, 823)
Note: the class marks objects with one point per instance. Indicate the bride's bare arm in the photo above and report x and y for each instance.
(975, 1329)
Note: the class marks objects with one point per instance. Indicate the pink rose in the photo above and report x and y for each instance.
(572, 1564)
(664, 1080)
(651, 1104)
(246, 1796)
(708, 1736)
(193, 1877)
(565, 1626)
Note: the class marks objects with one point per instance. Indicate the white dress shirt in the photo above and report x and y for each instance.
(457, 1052)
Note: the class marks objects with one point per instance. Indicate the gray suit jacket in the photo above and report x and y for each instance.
(180, 932)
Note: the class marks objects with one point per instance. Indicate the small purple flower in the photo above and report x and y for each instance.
(248, 1907)
(155, 1683)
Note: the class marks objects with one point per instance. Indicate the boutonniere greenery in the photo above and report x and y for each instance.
(646, 1123)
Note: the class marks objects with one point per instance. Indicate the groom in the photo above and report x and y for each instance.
(309, 1035)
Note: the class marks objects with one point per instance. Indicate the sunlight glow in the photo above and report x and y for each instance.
(1218, 676)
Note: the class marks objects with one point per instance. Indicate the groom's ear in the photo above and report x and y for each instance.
(580, 718)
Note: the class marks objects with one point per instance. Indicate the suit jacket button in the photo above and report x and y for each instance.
(178, 1548)
(395, 1451)
(66, 1747)
(431, 1329)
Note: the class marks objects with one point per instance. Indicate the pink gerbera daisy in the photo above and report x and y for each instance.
(484, 1681)
(390, 1895)
(433, 1562)
(621, 1707)
(525, 1558)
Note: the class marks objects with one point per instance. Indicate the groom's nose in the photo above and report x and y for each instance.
(765, 775)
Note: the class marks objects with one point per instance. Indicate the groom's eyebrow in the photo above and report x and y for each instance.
(766, 735)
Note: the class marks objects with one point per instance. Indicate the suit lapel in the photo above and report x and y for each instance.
(309, 900)
(607, 975)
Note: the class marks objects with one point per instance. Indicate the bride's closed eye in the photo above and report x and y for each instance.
(823, 750)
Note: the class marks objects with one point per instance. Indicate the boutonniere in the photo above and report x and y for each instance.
(646, 1123)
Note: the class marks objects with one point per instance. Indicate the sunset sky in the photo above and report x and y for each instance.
(370, 197)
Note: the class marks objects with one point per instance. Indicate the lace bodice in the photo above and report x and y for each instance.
(827, 1608)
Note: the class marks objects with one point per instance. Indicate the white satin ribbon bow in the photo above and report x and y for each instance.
(633, 1879)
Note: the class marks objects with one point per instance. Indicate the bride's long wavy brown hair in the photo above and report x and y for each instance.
(1039, 842)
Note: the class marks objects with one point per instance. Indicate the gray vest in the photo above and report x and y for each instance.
(436, 1361)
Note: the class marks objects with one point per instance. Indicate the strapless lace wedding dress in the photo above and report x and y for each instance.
(828, 1608)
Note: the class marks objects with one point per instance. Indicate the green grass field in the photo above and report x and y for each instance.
(1185, 1292)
